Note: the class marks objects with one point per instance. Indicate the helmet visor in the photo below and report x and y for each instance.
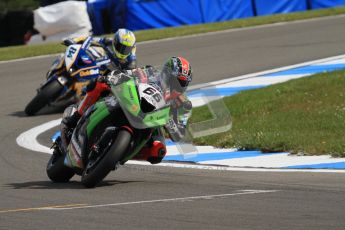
(122, 49)
(183, 81)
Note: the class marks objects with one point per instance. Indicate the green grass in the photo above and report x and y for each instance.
(14, 52)
(10, 5)
(144, 35)
(300, 116)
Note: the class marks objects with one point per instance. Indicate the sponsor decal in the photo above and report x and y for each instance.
(86, 59)
(89, 72)
(130, 93)
(71, 51)
(73, 158)
(185, 69)
(134, 108)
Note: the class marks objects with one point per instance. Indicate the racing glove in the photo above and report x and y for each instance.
(175, 130)
(116, 77)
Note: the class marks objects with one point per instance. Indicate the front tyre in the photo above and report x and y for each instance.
(48, 93)
(57, 171)
(99, 168)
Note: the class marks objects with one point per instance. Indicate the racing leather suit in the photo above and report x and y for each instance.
(181, 107)
(102, 48)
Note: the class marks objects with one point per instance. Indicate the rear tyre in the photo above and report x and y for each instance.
(48, 93)
(96, 170)
(57, 171)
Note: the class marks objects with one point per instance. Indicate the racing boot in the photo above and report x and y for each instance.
(69, 122)
(154, 153)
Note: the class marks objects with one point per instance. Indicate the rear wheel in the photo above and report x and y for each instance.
(48, 93)
(97, 169)
(57, 171)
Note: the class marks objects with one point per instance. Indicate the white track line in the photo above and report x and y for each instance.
(28, 139)
(29, 58)
(181, 199)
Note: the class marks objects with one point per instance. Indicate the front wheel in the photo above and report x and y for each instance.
(46, 94)
(96, 170)
(57, 171)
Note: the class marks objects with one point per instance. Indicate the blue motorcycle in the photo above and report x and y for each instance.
(69, 74)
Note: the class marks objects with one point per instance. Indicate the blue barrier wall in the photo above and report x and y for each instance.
(268, 7)
(317, 4)
(145, 14)
(94, 9)
(222, 10)
(161, 13)
(106, 15)
(109, 15)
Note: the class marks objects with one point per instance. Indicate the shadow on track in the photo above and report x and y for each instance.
(69, 185)
(45, 111)
(18, 114)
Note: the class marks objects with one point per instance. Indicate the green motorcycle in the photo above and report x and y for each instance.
(110, 133)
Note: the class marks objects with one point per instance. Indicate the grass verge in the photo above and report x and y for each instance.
(306, 115)
(15, 52)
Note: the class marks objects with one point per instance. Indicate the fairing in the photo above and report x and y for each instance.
(129, 98)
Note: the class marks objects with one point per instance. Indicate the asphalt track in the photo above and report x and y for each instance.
(145, 197)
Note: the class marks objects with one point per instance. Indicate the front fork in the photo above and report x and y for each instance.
(64, 80)
(140, 138)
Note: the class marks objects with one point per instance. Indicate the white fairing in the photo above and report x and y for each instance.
(71, 55)
(152, 95)
(57, 62)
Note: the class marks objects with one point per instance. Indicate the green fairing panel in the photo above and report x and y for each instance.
(101, 112)
(157, 118)
(128, 97)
